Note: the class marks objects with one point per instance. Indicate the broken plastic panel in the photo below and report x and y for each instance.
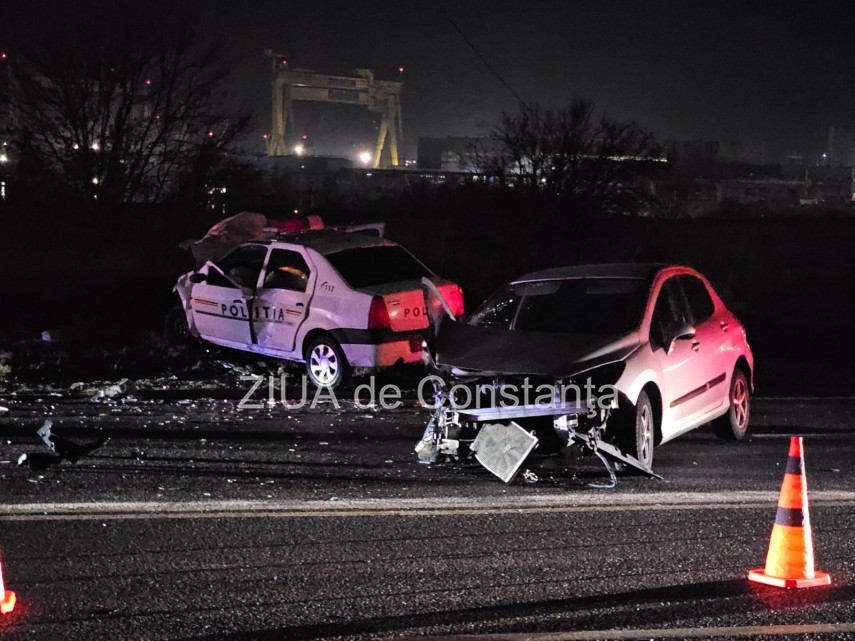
(502, 448)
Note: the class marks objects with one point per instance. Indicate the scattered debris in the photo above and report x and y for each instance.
(62, 448)
(38, 461)
(530, 477)
(113, 391)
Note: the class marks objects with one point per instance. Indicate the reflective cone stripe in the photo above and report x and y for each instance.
(790, 561)
(7, 598)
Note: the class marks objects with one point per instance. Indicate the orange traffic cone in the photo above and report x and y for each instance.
(7, 597)
(789, 563)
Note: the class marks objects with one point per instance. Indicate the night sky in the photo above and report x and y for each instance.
(774, 73)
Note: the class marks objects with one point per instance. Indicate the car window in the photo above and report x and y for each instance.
(497, 311)
(242, 265)
(670, 313)
(581, 306)
(700, 303)
(370, 266)
(287, 269)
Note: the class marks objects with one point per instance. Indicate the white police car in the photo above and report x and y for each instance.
(329, 299)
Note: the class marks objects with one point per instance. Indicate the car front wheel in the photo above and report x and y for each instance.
(326, 365)
(175, 329)
(733, 426)
(639, 437)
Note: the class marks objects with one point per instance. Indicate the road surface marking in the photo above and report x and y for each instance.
(659, 633)
(442, 506)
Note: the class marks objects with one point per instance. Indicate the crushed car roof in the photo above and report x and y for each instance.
(603, 270)
(329, 242)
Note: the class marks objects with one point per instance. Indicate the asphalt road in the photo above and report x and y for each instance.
(199, 520)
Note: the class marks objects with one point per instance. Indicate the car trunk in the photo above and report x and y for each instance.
(408, 306)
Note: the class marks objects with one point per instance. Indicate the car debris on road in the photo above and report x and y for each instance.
(62, 449)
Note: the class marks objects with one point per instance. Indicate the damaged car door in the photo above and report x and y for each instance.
(222, 301)
(282, 301)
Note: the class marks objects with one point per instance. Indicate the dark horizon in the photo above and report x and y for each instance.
(752, 72)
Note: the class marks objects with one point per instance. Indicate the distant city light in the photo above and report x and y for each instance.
(3, 56)
(75, 146)
(265, 136)
(4, 158)
(400, 70)
(365, 157)
(148, 82)
(284, 62)
(95, 146)
(210, 134)
(305, 136)
(299, 150)
(95, 180)
(157, 116)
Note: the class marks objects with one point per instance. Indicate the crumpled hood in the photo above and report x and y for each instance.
(501, 351)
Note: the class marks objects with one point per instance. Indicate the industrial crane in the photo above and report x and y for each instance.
(361, 88)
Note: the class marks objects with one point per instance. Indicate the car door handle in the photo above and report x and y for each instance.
(696, 345)
(723, 326)
(299, 305)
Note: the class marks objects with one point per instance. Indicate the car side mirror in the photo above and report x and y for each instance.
(198, 277)
(682, 333)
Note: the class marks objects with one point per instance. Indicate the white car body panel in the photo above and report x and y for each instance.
(685, 370)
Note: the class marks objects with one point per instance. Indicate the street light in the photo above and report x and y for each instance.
(299, 150)
(365, 157)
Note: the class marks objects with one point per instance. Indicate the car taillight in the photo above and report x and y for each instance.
(454, 297)
(378, 315)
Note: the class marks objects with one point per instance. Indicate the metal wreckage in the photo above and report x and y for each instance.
(500, 396)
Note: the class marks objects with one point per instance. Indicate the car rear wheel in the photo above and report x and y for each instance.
(326, 365)
(733, 426)
(639, 436)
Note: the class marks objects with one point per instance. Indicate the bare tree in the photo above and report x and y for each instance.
(128, 115)
(599, 164)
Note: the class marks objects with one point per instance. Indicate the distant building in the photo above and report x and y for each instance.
(691, 155)
(452, 154)
(840, 147)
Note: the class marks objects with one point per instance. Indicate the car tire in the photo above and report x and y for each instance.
(639, 436)
(733, 426)
(175, 327)
(326, 365)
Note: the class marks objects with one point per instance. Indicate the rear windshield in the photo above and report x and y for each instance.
(369, 266)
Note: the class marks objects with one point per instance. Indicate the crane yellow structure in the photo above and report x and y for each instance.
(361, 88)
